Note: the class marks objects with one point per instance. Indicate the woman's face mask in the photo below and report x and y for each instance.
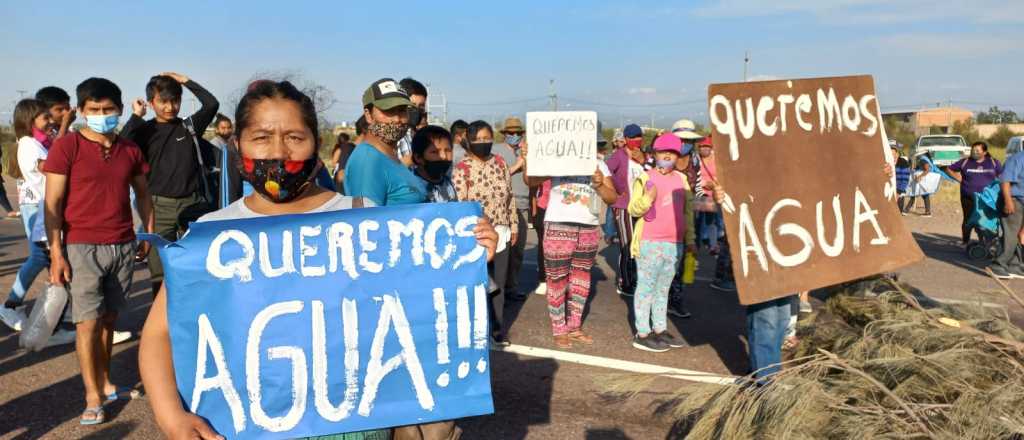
(280, 180)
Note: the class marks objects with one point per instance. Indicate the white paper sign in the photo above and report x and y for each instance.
(561, 143)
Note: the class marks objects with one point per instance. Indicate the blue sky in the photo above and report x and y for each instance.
(627, 60)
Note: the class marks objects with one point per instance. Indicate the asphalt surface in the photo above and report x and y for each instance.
(535, 397)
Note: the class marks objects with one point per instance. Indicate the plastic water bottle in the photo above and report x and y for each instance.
(689, 268)
(44, 318)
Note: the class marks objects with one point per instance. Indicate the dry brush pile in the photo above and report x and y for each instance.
(877, 361)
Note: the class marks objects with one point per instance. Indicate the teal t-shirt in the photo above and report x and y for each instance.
(373, 175)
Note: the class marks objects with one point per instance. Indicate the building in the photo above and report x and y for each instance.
(987, 130)
(924, 121)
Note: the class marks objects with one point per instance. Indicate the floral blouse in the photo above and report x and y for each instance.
(489, 183)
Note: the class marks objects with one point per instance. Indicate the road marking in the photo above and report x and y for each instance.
(617, 364)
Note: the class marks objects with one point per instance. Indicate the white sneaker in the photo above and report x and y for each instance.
(12, 318)
(542, 289)
(61, 337)
(120, 337)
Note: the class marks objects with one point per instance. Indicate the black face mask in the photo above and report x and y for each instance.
(436, 169)
(415, 115)
(481, 149)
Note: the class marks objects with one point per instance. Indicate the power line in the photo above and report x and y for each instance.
(607, 104)
(517, 101)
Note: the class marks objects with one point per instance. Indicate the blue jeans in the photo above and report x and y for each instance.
(609, 224)
(766, 329)
(38, 257)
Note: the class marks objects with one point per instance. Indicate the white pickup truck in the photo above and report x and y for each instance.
(945, 149)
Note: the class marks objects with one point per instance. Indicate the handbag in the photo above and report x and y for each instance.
(207, 182)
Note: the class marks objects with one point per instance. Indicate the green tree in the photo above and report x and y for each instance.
(996, 116)
(1001, 137)
(894, 129)
(967, 130)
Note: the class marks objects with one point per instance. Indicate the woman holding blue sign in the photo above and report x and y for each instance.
(277, 128)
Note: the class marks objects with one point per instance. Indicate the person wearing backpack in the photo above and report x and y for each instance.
(170, 149)
(486, 178)
(661, 198)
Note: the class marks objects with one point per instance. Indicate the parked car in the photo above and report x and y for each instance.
(1014, 145)
(944, 149)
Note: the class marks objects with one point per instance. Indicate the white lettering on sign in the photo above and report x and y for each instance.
(393, 316)
(239, 267)
(322, 400)
(208, 342)
(751, 243)
(742, 119)
(413, 239)
(472, 328)
(252, 370)
(287, 260)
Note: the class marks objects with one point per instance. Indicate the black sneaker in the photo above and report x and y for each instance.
(651, 342)
(500, 340)
(678, 311)
(670, 339)
(1000, 273)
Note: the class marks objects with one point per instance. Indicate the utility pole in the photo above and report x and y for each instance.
(949, 117)
(652, 121)
(747, 63)
(443, 106)
(552, 95)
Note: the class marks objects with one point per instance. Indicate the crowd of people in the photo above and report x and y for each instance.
(659, 200)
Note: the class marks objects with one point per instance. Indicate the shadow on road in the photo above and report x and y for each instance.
(522, 390)
(947, 249)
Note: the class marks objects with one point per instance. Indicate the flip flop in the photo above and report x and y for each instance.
(122, 394)
(97, 416)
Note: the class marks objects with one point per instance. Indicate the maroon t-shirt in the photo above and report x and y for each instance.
(97, 206)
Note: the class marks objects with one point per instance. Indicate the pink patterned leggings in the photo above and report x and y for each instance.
(569, 252)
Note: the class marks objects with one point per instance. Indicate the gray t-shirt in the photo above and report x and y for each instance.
(520, 191)
(238, 209)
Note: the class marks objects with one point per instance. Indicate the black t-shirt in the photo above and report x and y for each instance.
(169, 149)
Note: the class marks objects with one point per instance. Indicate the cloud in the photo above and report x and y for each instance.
(856, 12)
(946, 45)
(641, 91)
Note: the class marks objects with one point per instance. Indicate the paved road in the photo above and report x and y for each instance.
(536, 396)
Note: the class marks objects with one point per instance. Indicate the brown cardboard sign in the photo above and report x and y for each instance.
(808, 203)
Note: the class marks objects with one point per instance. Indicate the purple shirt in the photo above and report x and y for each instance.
(618, 164)
(976, 175)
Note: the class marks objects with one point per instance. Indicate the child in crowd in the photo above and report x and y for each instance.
(662, 198)
(32, 123)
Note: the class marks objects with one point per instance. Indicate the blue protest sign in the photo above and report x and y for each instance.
(334, 322)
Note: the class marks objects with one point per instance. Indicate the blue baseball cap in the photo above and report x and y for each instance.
(632, 131)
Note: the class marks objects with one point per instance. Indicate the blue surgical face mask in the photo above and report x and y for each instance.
(102, 123)
(513, 139)
(666, 164)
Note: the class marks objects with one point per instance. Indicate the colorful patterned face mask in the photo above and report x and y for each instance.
(280, 181)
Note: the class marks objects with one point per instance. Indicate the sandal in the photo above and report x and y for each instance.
(92, 416)
(582, 338)
(122, 394)
(563, 341)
